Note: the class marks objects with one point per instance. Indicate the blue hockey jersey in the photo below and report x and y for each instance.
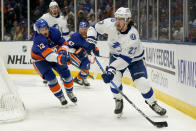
(43, 46)
(76, 41)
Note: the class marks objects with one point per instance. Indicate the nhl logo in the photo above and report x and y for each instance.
(24, 48)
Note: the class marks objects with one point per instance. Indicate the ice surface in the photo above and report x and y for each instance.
(93, 112)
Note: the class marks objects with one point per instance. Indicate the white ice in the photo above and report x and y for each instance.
(93, 112)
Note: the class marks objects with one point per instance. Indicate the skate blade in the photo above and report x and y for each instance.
(64, 106)
(87, 87)
(119, 115)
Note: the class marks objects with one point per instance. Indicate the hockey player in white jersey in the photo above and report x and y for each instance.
(55, 19)
(125, 53)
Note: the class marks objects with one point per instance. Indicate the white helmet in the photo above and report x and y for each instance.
(53, 3)
(123, 12)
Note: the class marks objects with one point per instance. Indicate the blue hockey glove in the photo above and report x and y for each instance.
(90, 48)
(109, 75)
(62, 50)
(63, 59)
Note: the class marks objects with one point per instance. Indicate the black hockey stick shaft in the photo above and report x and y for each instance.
(82, 70)
(157, 124)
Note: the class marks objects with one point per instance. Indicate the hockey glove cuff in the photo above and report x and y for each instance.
(63, 59)
(109, 74)
(62, 50)
(96, 51)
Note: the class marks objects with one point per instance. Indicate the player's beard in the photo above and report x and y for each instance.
(84, 35)
(55, 14)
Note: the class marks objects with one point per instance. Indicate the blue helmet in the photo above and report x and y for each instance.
(83, 24)
(40, 23)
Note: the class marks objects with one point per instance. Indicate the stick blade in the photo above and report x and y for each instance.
(161, 124)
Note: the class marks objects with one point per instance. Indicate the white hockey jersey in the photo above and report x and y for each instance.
(126, 45)
(59, 23)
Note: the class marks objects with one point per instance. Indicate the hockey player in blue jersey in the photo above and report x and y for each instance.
(80, 49)
(49, 53)
(126, 53)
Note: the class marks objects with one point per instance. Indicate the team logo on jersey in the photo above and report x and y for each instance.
(117, 46)
(133, 36)
(71, 43)
(112, 20)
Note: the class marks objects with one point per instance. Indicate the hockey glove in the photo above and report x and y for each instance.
(109, 74)
(90, 48)
(63, 59)
(96, 51)
(62, 50)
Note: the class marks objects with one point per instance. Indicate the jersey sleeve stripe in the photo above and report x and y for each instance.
(140, 55)
(91, 37)
(46, 52)
(126, 58)
(36, 57)
(75, 59)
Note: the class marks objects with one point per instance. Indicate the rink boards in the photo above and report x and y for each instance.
(171, 69)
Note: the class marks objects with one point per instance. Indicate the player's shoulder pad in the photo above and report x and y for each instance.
(133, 29)
(54, 31)
(76, 34)
(45, 16)
(106, 21)
(38, 38)
(75, 37)
(134, 35)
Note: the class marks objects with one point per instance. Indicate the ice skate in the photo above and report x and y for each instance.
(85, 82)
(156, 108)
(63, 100)
(119, 107)
(72, 97)
(78, 81)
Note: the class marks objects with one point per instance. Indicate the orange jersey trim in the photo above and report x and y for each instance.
(75, 58)
(36, 57)
(46, 52)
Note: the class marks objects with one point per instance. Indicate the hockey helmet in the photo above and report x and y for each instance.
(123, 12)
(53, 3)
(40, 23)
(83, 24)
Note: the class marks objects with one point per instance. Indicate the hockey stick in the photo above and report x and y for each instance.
(82, 70)
(157, 124)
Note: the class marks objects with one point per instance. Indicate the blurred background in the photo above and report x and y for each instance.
(156, 20)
